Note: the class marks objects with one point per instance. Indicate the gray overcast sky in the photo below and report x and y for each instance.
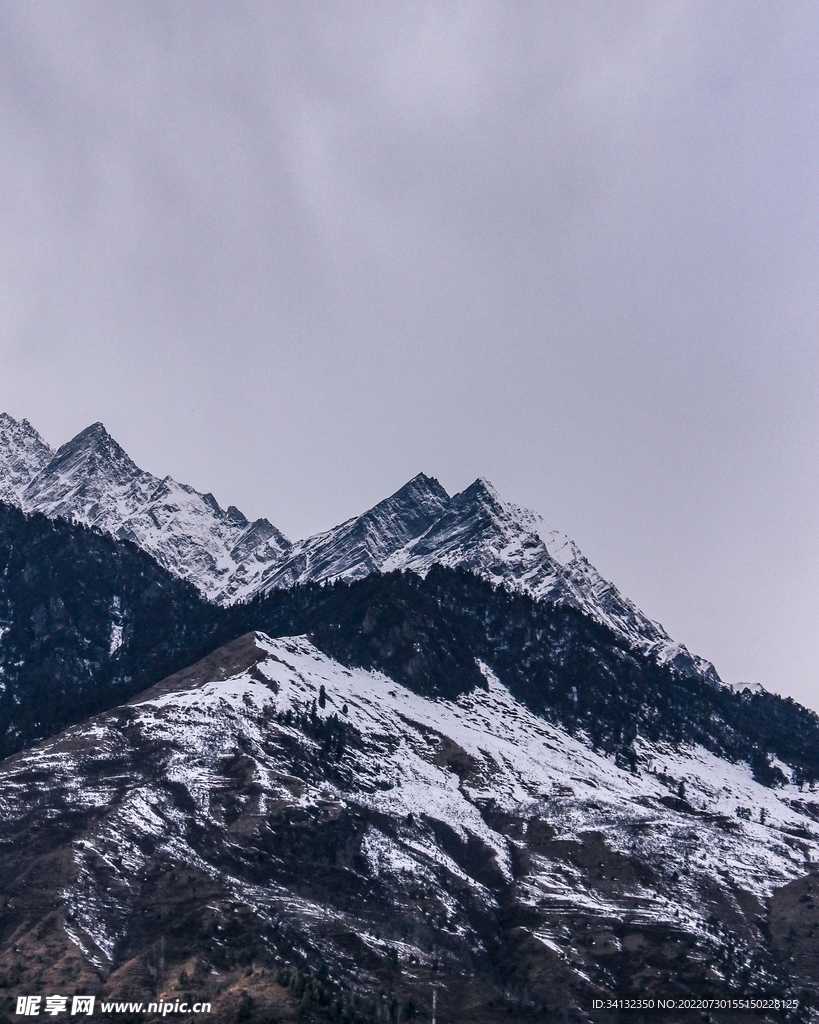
(294, 253)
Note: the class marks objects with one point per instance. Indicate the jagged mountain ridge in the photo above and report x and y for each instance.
(93, 481)
(477, 530)
(273, 822)
(514, 547)
(420, 526)
(361, 545)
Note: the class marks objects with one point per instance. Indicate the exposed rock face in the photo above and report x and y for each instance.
(271, 821)
(363, 544)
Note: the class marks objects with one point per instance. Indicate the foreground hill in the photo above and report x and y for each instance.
(285, 836)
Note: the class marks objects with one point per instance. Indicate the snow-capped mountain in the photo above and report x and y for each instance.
(514, 547)
(271, 823)
(23, 454)
(93, 481)
(421, 526)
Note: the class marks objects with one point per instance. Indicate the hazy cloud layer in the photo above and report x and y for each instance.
(295, 253)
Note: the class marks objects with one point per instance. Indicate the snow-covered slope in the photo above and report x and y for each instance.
(514, 546)
(403, 841)
(92, 480)
(23, 453)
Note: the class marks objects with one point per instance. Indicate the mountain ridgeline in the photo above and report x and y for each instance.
(92, 480)
(88, 622)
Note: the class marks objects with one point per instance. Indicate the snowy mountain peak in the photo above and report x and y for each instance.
(236, 516)
(484, 489)
(23, 453)
(363, 544)
(95, 434)
(87, 466)
(95, 439)
(479, 496)
(92, 480)
(425, 491)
